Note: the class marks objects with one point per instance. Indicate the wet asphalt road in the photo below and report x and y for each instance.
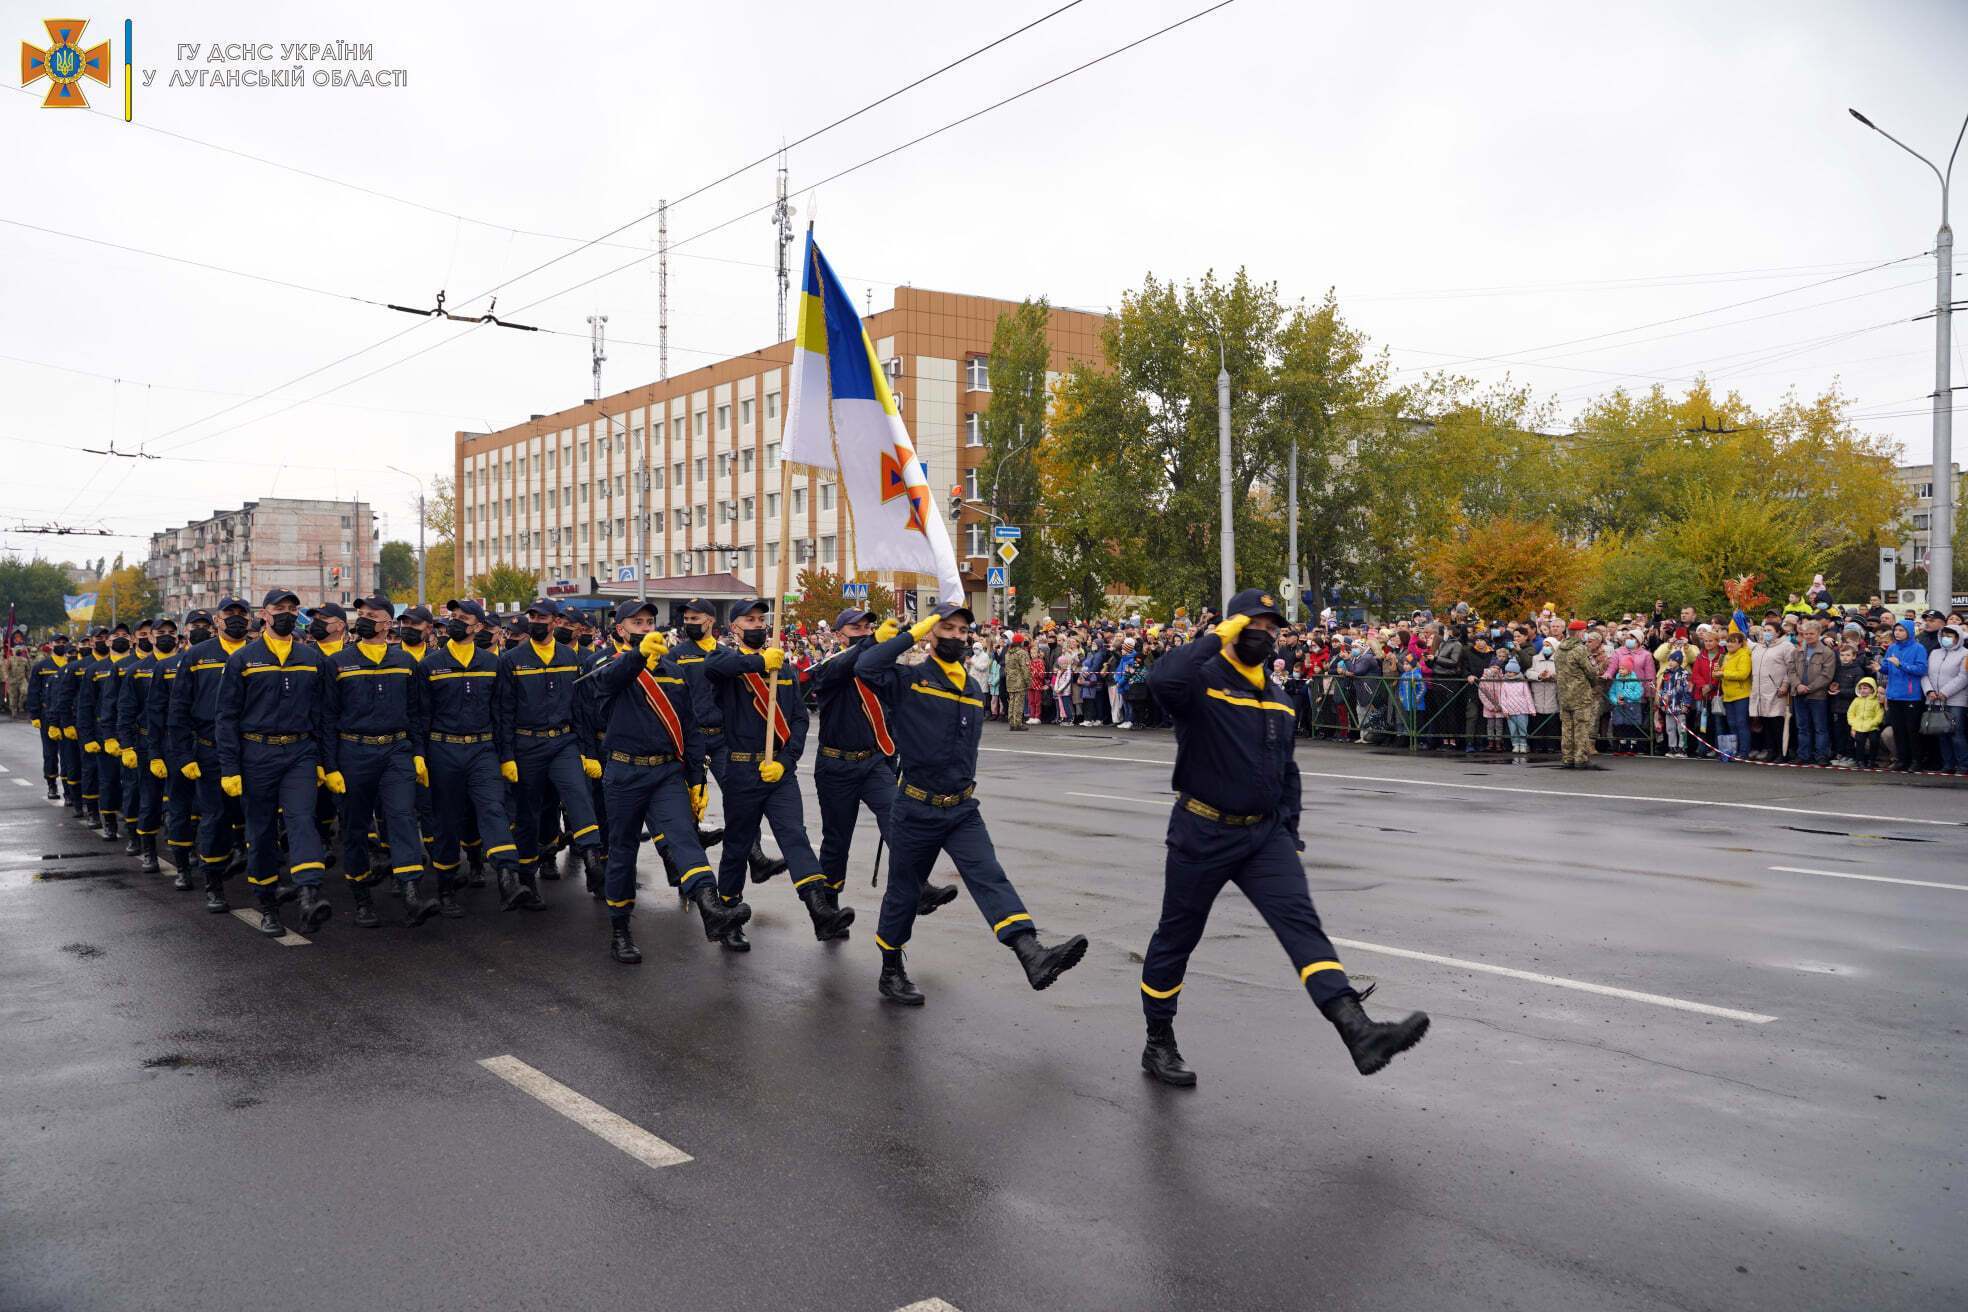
(195, 1117)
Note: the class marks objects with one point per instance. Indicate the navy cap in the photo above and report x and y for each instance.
(751, 605)
(416, 615)
(327, 610)
(950, 609)
(474, 610)
(544, 606)
(120, 627)
(631, 608)
(702, 607)
(852, 615)
(1254, 602)
(278, 595)
(230, 602)
(377, 601)
(198, 617)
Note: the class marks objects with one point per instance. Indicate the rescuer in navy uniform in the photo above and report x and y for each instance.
(756, 790)
(373, 758)
(95, 723)
(77, 783)
(466, 741)
(42, 681)
(174, 790)
(1236, 820)
(856, 765)
(535, 689)
(192, 731)
(271, 735)
(654, 779)
(936, 712)
(699, 641)
(143, 791)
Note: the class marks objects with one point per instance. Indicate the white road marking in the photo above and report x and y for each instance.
(288, 940)
(1607, 990)
(5, 770)
(930, 1305)
(1870, 879)
(1110, 797)
(25, 783)
(1533, 792)
(586, 1113)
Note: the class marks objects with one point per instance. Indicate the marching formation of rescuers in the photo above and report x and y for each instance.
(403, 747)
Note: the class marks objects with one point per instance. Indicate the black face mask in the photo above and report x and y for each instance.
(1254, 646)
(119, 645)
(145, 646)
(235, 626)
(950, 650)
(539, 632)
(60, 649)
(317, 629)
(694, 632)
(413, 637)
(283, 623)
(480, 640)
(365, 628)
(455, 630)
(563, 634)
(585, 640)
(102, 649)
(199, 633)
(166, 643)
(754, 638)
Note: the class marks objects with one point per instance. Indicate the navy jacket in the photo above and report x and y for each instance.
(42, 681)
(693, 659)
(157, 707)
(635, 725)
(459, 695)
(846, 721)
(371, 698)
(744, 727)
(258, 693)
(538, 693)
(136, 683)
(937, 721)
(195, 696)
(1233, 739)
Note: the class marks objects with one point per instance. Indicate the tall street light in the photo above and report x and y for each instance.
(420, 533)
(1226, 533)
(1940, 524)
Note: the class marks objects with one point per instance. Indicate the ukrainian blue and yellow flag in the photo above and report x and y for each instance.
(81, 609)
(842, 419)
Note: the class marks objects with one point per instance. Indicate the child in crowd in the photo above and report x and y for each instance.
(1513, 694)
(1674, 695)
(1865, 715)
(1410, 693)
(1488, 688)
(1629, 699)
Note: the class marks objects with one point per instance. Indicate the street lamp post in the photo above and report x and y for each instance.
(1940, 523)
(1226, 533)
(421, 601)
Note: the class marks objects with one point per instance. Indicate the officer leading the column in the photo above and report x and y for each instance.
(1236, 820)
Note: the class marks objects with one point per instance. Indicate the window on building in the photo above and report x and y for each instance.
(522, 467)
(772, 455)
(697, 423)
(622, 530)
(726, 512)
(604, 534)
(636, 436)
(976, 539)
(656, 478)
(724, 464)
(745, 413)
(676, 428)
(1923, 492)
(621, 484)
(745, 461)
(745, 514)
(580, 452)
(973, 429)
(676, 474)
(970, 483)
(826, 558)
(772, 405)
(700, 516)
(977, 373)
(698, 468)
(724, 417)
(553, 461)
(345, 524)
(582, 488)
(771, 554)
(826, 496)
(1920, 523)
(772, 505)
(799, 501)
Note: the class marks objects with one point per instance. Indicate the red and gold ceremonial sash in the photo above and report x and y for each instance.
(871, 707)
(659, 702)
(761, 698)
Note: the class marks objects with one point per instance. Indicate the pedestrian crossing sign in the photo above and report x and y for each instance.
(994, 578)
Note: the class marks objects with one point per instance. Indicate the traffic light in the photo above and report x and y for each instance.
(956, 501)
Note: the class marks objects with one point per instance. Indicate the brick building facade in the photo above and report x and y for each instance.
(320, 550)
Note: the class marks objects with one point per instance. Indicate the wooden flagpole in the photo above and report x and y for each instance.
(786, 540)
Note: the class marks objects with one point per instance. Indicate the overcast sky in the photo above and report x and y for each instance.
(1475, 181)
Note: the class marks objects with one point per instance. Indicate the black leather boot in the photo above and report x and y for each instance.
(830, 920)
(895, 984)
(764, 867)
(54, 793)
(548, 865)
(448, 905)
(315, 909)
(108, 830)
(365, 906)
(529, 883)
(709, 838)
(269, 917)
(620, 945)
(133, 842)
(1373, 1043)
(1045, 964)
(215, 898)
(934, 896)
(511, 891)
(594, 865)
(719, 920)
(1161, 1058)
(416, 907)
(475, 861)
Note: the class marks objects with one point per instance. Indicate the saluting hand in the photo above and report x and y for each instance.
(887, 629)
(920, 629)
(1230, 628)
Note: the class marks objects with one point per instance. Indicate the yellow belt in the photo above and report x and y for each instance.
(1208, 812)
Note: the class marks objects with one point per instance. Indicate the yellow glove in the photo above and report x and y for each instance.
(190, 770)
(68, 732)
(653, 646)
(591, 767)
(774, 657)
(158, 769)
(509, 771)
(92, 747)
(771, 771)
(336, 784)
(35, 723)
(700, 797)
(129, 758)
(232, 785)
(423, 771)
(887, 629)
(54, 733)
(320, 777)
(111, 746)
(920, 629)
(1230, 628)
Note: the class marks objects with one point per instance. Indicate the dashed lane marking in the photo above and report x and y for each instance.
(1870, 879)
(1533, 792)
(1559, 981)
(586, 1113)
(288, 940)
(930, 1305)
(1136, 801)
(24, 783)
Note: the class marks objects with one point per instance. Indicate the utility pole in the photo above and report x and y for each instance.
(597, 338)
(357, 531)
(782, 219)
(663, 289)
(420, 548)
(1940, 522)
(1226, 531)
(1291, 521)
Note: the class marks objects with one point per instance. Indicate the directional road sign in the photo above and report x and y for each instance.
(1007, 532)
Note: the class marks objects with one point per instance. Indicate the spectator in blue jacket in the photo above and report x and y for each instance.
(1905, 668)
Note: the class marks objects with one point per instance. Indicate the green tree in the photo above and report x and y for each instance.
(1506, 567)
(504, 585)
(822, 598)
(396, 568)
(1633, 577)
(1015, 436)
(34, 588)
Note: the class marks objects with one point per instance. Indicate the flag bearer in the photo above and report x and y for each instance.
(1236, 820)
(535, 689)
(465, 741)
(654, 778)
(193, 733)
(937, 713)
(757, 790)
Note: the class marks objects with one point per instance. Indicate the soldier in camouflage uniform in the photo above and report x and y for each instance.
(1581, 690)
(1017, 681)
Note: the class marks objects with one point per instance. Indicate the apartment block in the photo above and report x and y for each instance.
(319, 550)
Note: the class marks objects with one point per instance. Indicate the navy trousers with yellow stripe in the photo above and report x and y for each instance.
(468, 805)
(842, 787)
(221, 819)
(550, 764)
(1261, 859)
(380, 781)
(280, 778)
(749, 804)
(917, 832)
(656, 797)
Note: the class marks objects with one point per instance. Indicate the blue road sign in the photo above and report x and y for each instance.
(855, 591)
(995, 577)
(1007, 531)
